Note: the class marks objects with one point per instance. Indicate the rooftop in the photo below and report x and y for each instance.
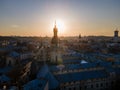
(77, 76)
(37, 84)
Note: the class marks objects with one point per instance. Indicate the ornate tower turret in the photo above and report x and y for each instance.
(116, 33)
(55, 30)
(116, 37)
(55, 37)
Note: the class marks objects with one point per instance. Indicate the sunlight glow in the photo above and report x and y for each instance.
(60, 26)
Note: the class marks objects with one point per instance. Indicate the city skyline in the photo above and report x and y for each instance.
(36, 17)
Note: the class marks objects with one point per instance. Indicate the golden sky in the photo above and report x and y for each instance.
(36, 17)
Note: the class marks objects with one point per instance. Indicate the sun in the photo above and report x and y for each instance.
(60, 26)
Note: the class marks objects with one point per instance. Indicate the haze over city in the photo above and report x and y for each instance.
(36, 17)
(59, 44)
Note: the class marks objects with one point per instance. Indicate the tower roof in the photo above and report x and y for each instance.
(116, 29)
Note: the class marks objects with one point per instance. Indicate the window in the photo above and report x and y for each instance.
(79, 87)
(112, 83)
(97, 85)
(106, 84)
(91, 86)
(74, 88)
(101, 84)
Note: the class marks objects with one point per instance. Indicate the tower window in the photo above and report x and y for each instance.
(97, 85)
(56, 58)
(101, 84)
(91, 86)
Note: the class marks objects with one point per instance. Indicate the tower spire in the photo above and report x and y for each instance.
(55, 23)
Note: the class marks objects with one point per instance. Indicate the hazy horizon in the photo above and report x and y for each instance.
(36, 17)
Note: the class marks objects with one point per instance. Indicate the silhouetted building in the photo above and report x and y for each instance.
(79, 36)
(55, 37)
(116, 33)
(116, 37)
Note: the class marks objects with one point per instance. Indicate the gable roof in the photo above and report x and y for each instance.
(77, 76)
(14, 54)
(46, 74)
(4, 78)
(37, 84)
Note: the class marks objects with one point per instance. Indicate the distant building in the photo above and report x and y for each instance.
(116, 33)
(55, 39)
(116, 37)
(12, 59)
(79, 36)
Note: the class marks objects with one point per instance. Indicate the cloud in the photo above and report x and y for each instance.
(14, 26)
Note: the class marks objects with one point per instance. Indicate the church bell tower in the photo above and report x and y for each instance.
(55, 53)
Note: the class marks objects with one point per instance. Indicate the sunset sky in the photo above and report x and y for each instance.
(36, 17)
